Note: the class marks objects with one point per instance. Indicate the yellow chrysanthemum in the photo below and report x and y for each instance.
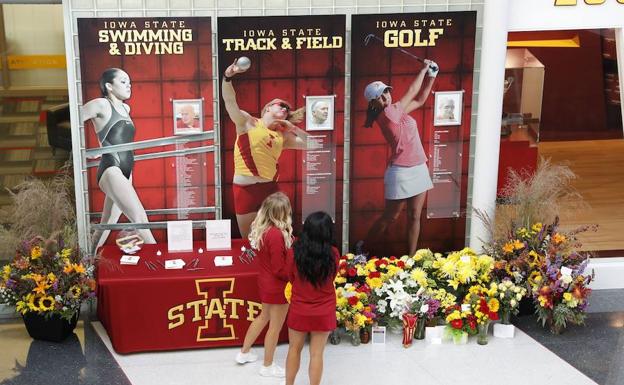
(448, 269)
(374, 283)
(342, 302)
(340, 280)
(420, 276)
(75, 290)
(35, 252)
(6, 272)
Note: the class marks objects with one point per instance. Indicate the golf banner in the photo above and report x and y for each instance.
(282, 114)
(411, 102)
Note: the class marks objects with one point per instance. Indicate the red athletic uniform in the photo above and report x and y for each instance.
(273, 276)
(312, 309)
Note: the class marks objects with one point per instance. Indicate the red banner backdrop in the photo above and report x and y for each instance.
(384, 48)
(166, 59)
(291, 57)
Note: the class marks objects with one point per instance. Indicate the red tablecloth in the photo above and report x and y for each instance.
(145, 309)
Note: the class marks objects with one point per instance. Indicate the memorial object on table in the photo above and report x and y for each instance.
(247, 254)
(425, 308)
(47, 282)
(179, 236)
(129, 241)
(409, 327)
(218, 234)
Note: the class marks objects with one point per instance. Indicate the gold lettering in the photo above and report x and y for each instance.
(215, 307)
(233, 303)
(195, 305)
(253, 309)
(172, 316)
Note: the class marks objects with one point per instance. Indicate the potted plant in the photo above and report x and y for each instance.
(47, 283)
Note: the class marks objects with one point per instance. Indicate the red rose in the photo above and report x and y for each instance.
(493, 316)
(378, 262)
(401, 264)
(353, 300)
(374, 274)
(352, 272)
(472, 324)
(392, 258)
(457, 324)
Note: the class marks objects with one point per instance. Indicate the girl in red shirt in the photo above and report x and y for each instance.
(271, 236)
(312, 271)
(406, 179)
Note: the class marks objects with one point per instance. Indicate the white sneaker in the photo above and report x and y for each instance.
(272, 371)
(243, 358)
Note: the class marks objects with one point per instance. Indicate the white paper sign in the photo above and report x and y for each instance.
(171, 264)
(218, 235)
(129, 260)
(378, 335)
(223, 260)
(566, 271)
(180, 236)
(465, 307)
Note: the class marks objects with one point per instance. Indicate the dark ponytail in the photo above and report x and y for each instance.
(107, 77)
(372, 112)
(314, 255)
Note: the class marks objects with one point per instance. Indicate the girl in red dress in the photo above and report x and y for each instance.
(271, 236)
(312, 271)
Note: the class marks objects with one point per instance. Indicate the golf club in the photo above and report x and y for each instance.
(371, 36)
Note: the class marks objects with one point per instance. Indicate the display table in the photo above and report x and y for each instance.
(144, 309)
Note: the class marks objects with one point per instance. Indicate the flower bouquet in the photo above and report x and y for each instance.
(461, 269)
(509, 296)
(47, 279)
(353, 309)
(484, 306)
(351, 269)
(560, 287)
(460, 323)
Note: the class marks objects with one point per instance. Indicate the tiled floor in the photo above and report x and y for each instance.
(582, 355)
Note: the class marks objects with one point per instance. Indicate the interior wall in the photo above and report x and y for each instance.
(35, 30)
(573, 103)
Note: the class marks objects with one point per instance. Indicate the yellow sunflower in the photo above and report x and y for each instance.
(76, 291)
(46, 303)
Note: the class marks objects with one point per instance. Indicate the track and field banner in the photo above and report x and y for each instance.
(147, 95)
(292, 65)
(417, 118)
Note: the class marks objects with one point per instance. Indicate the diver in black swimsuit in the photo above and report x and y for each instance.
(118, 130)
(112, 123)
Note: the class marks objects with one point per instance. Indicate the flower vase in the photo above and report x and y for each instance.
(505, 316)
(409, 327)
(504, 329)
(419, 334)
(554, 328)
(51, 328)
(334, 337)
(365, 334)
(482, 336)
(355, 337)
(460, 338)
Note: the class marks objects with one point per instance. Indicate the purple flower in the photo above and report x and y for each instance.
(11, 284)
